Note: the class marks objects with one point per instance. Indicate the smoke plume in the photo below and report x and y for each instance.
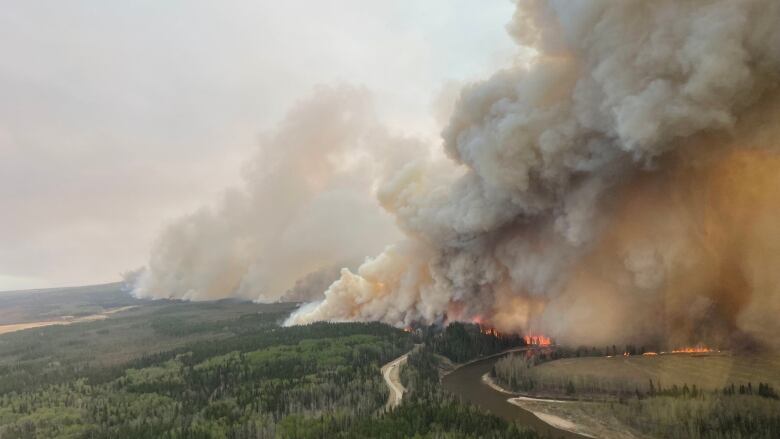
(625, 186)
(307, 205)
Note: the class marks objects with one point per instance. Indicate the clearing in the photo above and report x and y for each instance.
(707, 371)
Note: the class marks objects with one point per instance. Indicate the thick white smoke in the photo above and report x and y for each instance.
(308, 205)
(568, 205)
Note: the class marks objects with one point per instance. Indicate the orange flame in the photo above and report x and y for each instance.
(537, 340)
(489, 331)
(693, 350)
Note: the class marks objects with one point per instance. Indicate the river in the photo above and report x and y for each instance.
(466, 382)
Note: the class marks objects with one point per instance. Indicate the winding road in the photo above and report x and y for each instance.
(392, 375)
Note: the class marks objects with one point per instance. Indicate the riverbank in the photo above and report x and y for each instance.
(456, 366)
(566, 414)
(548, 418)
(466, 382)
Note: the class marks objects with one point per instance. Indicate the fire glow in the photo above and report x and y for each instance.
(693, 350)
(537, 340)
(489, 331)
(530, 340)
(492, 331)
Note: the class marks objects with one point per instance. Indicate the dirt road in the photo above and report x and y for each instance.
(391, 373)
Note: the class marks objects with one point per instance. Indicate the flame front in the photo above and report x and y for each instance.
(489, 331)
(694, 350)
(537, 340)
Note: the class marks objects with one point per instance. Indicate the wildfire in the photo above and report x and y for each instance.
(489, 331)
(694, 350)
(530, 340)
(537, 340)
(683, 350)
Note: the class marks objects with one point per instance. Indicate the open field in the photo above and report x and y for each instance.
(614, 397)
(704, 416)
(55, 304)
(708, 372)
(601, 376)
(65, 320)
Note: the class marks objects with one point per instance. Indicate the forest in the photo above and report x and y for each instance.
(230, 370)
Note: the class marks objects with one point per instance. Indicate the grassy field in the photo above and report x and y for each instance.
(708, 372)
(55, 303)
(615, 398)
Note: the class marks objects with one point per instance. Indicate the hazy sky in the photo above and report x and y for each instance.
(116, 117)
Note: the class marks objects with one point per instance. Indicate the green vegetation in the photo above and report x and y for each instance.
(433, 413)
(228, 370)
(668, 396)
(461, 342)
(102, 350)
(267, 382)
(624, 376)
(708, 415)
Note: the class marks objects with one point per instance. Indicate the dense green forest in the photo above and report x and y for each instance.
(243, 376)
(229, 370)
(102, 350)
(238, 394)
(461, 342)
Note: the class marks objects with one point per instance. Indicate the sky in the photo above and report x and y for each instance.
(118, 117)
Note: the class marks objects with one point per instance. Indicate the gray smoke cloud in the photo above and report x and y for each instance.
(308, 203)
(593, 194)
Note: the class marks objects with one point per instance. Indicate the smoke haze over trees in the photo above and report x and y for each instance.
(621, 186)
